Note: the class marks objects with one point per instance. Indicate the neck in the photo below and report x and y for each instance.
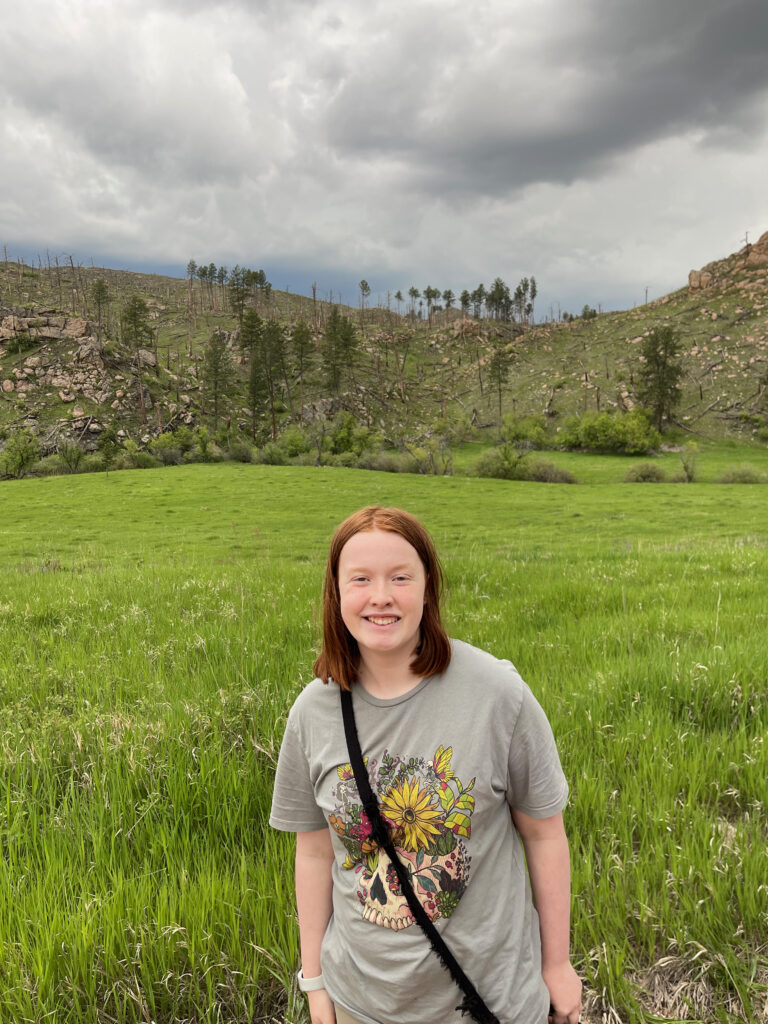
(381, 676)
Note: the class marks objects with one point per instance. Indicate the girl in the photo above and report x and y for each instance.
(469, 784)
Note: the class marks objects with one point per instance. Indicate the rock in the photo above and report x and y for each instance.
(115, 404)
(145, 438)
(66, 396)
(147, 357)
(94, 427)
(119, 393)
(32, 361)
(91, 351)
(77, 412)
(8, 386)
(76, 328)
(185, 400)
(121, 433)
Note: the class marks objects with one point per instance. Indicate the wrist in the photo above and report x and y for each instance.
(310, 984)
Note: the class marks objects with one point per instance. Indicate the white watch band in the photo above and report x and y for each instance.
(309, 984)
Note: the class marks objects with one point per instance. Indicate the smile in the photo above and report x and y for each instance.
(380, 620)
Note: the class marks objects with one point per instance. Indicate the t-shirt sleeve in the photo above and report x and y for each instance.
(293, 799)
(536, 784)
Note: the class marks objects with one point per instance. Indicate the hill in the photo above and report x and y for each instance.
(67, 374)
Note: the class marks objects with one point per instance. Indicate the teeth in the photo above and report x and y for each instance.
(382, 621)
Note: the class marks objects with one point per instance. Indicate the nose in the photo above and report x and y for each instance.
(380, 593)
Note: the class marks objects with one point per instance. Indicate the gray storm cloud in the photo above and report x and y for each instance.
(402, 142)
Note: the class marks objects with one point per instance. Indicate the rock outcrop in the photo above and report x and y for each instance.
(751, 256)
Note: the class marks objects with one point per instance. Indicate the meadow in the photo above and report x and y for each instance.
(156, 628)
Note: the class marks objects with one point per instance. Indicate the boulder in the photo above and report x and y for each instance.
(8, 386)
(90, 351)
(77, 412)
(76, 328)
(146, 357)
(66, 396)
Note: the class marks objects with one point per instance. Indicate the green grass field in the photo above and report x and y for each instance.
(157, 626)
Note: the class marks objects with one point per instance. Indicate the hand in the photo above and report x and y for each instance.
(564, 993)
(321, 1009)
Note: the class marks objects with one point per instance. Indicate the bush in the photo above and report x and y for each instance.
(295, 441)
(19, 455)
(70, 456)
(50, 465)
(742, 474)
(239, 451)
(630, 434)
(346, 436)
(388, 462)
(271, 455)
(143, 460)
(688, 457)
(525, 428)
(184, 438)
(508, 463)
(92, 463)
(166, 449)
(645, 473)
(546, 472)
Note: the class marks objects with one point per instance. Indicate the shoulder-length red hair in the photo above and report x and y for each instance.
(339, 658)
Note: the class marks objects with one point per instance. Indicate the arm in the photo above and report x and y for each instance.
(314, 857)
(549, 869)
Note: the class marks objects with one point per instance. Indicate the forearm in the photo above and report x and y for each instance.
(314, 859)
(549, 869)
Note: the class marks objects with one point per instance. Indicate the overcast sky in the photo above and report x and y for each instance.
(603, 146)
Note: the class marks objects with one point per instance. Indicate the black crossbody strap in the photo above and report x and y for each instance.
(472, 1002)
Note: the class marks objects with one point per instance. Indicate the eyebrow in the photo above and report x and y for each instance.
(395, 568)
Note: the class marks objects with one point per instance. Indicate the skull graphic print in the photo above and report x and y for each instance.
(428, 812)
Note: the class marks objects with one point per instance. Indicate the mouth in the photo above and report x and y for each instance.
(382, 620)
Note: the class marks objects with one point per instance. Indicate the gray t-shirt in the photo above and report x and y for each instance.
(448, 760)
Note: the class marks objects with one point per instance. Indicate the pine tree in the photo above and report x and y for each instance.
(660, 373)
(218, 372)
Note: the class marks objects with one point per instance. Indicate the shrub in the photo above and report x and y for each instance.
(50, 465)
(388, 462)
(143, 460)
(295, 441)
(525, 428)
(504, 463)
(645, 473)
(546, 472)
(92, 463)
(631, 433)
(346, 436)
(741, 474)
(203, 445)
(271, 455)
(70, 456)
(19, 455)
(166, 449)
(185, 439)
(688, 457)
(239, 451)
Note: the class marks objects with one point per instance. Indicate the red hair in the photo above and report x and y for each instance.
(339, 658)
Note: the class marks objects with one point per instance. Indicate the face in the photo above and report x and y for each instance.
(381, 588)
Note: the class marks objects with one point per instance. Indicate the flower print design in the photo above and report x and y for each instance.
(408, 807)
(428, 811)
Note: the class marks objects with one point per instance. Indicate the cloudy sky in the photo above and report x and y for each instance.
(603, 146)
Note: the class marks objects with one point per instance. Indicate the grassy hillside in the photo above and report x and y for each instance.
(159, 625)
(408, 378)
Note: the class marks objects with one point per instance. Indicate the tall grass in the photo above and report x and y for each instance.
(156, 629)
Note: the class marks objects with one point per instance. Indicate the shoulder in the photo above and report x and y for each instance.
(492, 672)
(314, 699)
